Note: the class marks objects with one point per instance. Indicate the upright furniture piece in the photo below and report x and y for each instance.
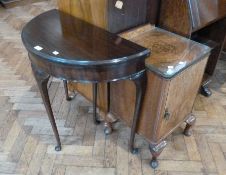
(111, 15)
(174, 73)
(65, 47)
(201, 20)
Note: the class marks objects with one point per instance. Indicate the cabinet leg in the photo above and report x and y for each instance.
(95, 119)
(156, 150)
(2, 4)
(107, 128)
(68, 98)
(42, 79)
(140, 81)
(189, 123)
(205, 90)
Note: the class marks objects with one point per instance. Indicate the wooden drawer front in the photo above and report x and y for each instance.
(133, 13)
(181, 95)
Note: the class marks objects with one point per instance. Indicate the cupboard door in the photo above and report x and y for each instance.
(131, 13)
(181, 96)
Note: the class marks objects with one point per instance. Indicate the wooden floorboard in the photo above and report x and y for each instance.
(27, 141)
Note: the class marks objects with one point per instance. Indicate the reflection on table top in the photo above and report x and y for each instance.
(61, 38)
(170, 53)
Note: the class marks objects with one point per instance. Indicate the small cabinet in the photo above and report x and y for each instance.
(181, 93)
(174, 73)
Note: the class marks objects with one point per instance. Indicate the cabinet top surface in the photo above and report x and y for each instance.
(62, 38)
(170, 53)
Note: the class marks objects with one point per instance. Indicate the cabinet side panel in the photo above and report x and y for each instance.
(123, 96)
(94, 12)
(181, 96)
(175, 16)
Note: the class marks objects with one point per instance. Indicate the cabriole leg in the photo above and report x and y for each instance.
(140, 81)
(189, 123)
(156, 150)
(42, 79)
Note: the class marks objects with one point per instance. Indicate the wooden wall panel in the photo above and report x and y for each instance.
(175, 16)
(133, 13)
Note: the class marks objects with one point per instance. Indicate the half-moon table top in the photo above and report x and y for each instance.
(59, 37)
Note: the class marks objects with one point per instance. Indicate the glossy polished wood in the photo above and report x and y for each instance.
(65, 47)
(76, 42)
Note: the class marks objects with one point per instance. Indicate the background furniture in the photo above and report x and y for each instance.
(65, 47)
(201, 20)
(108, 14)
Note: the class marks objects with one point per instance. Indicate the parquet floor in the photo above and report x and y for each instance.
(27, 141)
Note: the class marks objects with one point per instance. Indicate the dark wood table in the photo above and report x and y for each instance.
(65, 47)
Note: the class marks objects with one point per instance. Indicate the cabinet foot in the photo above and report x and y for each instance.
(189, 123)
(134, 151)
(205, 90)
(58, 148)
(107, 128)
(154, 163)
(156, 150)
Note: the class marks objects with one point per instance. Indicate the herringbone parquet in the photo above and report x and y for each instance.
(27, 141)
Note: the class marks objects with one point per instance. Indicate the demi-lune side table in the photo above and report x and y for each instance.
(68, 48)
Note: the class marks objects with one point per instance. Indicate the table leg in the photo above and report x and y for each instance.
(68, 98)
(42, 79)
(95, 119)
(140, 81)
(107, 124)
